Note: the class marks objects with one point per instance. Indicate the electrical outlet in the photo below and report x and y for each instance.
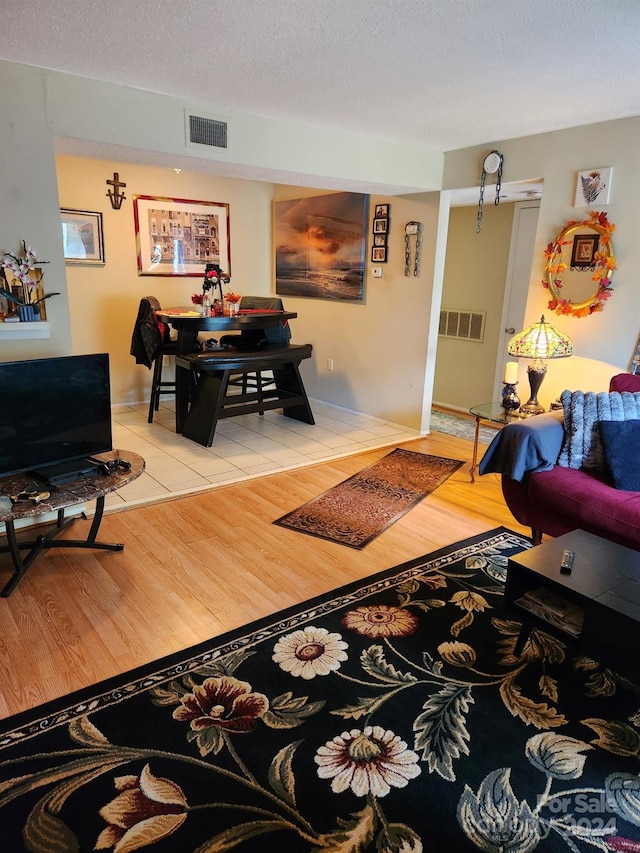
(329, 364)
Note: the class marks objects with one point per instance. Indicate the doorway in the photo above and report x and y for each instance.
(486, 276)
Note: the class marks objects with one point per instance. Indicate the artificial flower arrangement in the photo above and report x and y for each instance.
(214, 277)
(25, 267)
(604, 263)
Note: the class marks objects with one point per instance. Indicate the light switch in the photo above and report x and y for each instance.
(376, 272)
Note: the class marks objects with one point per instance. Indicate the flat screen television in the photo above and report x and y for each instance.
(54, 413)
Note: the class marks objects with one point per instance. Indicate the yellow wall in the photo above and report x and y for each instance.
(103, 300)
(364, 341)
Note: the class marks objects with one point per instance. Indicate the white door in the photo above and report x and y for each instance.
(523, 235)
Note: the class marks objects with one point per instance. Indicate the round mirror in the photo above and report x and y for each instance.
(580, 265)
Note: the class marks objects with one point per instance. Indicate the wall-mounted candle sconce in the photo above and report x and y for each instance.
(115, 195)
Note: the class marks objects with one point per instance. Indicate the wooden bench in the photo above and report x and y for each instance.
(213, 386)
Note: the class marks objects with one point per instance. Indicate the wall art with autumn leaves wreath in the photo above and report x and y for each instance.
(579, 266)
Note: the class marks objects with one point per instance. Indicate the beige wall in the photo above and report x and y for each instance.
(603, 342)
(474, 279)
(378, 346)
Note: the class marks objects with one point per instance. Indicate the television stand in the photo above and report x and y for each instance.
(78, 491)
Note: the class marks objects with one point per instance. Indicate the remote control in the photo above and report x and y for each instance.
(566, 564)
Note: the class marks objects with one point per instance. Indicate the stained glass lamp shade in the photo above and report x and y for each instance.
(539, 342)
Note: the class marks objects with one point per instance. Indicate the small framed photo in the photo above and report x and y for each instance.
(82, 237)
(382, 211)
(380, 226)
(379, 239)
(583, 251)
(379, 254)
(593, 186)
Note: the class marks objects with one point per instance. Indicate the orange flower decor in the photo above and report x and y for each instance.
(232, 297)
(604, 263)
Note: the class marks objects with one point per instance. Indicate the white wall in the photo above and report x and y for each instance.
(87, 109)
(29, 200)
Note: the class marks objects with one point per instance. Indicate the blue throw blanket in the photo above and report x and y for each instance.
(524, 447)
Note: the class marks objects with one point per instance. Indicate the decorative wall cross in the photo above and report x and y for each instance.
(115, 195)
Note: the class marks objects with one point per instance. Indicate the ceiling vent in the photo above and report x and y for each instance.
(467, 325)
(205, 131)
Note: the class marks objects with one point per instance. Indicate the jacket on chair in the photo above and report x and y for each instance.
(148, 333)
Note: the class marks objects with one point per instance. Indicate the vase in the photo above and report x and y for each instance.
(27, 313)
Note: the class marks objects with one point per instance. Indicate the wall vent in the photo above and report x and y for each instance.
(467, 325)
(203, 130)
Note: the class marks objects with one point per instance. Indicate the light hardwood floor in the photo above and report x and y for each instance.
(198, 566)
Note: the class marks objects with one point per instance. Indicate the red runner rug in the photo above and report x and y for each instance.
(359, 509)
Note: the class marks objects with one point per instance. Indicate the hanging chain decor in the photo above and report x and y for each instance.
(492, 163)
(412, 229)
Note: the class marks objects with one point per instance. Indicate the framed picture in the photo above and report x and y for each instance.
(382, 211)
(593, 185)
(635, 360)
(82, 237)
(380, 226)
(583, 251)
(178, 236)
(321, 243)
(379, 254)
(379, 239)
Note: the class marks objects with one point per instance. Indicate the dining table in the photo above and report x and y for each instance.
(189, 324)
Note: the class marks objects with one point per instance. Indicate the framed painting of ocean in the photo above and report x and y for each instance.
(320, 245)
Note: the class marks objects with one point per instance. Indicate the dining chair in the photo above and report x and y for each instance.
(150, 345)
(250, 339)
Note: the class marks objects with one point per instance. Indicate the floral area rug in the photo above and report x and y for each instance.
(359, 509)
(390, 715)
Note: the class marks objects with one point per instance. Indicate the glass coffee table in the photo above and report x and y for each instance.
(489, 413)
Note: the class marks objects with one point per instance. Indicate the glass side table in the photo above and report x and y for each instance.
(490, 413)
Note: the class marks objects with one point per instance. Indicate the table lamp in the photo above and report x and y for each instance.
(540, 341)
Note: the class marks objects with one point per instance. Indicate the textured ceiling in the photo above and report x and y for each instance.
(446, 74)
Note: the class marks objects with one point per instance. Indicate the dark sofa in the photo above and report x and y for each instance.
(553, 499)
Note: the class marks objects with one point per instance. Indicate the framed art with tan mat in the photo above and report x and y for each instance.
(359, 509)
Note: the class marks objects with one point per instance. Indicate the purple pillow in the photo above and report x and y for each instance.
(625, 382)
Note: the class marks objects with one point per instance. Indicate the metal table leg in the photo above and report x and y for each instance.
(474, 460)
(49, 540)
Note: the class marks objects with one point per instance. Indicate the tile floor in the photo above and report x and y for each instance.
(245, 446)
